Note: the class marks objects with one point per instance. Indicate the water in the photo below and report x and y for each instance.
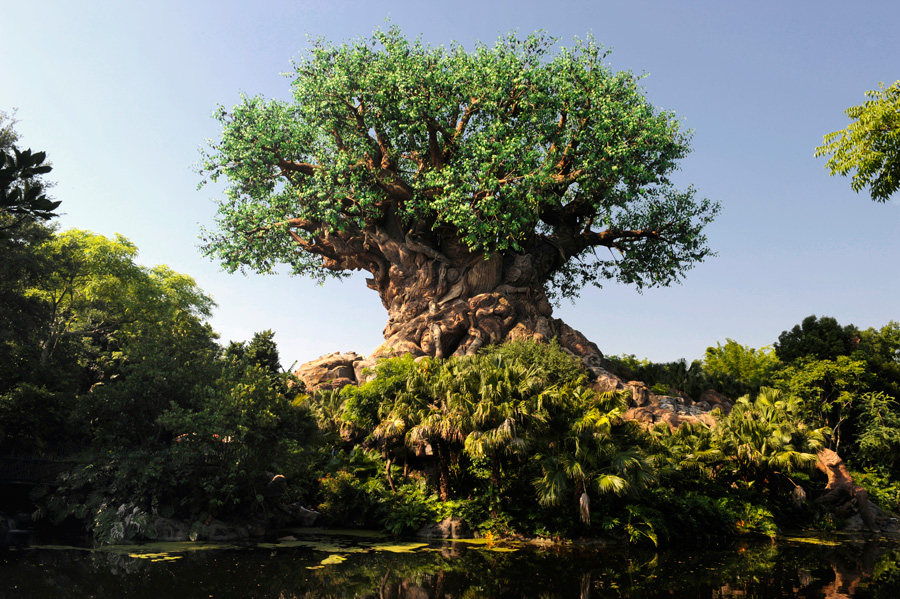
(315, 566)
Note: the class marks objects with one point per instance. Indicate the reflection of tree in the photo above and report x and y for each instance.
(851, 564)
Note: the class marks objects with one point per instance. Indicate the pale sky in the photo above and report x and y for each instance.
(120, 93)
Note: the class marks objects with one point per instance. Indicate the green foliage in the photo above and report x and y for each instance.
(830, 390)
(23, 197)
(669, 377)
(883, 489)
(816, 338)
(880, 348)
(878, 441)
(100, 295)
(753, 367)
(261, 351)
(34, 420)
(347, 501)
(492, 148)
(586, 448)
(636, 526)
(765, 438)
(22, 194)
(550, 362)
(870, 145)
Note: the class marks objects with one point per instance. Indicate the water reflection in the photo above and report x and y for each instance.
(311, 569)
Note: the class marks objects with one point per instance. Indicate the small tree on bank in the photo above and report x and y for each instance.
(475, 187)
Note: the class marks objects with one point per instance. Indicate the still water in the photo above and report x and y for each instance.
(358, 565)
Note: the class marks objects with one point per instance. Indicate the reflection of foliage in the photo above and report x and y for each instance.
(456, 570)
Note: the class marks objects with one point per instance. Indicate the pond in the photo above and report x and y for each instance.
(318, 564)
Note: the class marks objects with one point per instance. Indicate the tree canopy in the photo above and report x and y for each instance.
(870, 145)
(514, 148)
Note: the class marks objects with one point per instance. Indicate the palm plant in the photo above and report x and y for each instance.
(588, 449)
(690, 448)
(765, 437)
(499, 409)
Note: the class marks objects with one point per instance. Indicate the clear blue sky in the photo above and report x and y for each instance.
(120, 95)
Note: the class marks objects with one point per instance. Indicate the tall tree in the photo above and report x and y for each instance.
(475, 187)
(870, 145)
(23, 203)
(96, 290)
(816, 338)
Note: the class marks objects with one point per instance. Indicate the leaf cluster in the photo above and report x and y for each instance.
(870, 145)
(498, 149)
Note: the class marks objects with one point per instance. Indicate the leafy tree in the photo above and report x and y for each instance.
(22, 314)
(880, 348)
(22, 194)
(22, 204)
(830, 390)
(870, 145)
(260, 351)
(473, 186)
(96, 291)
(754, 366)
(586, 449)
(816, 338)
(8, 134)
(879, 436)
(22, 186)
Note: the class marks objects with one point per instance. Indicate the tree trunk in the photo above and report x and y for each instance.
(843, 496)
(453, 302)
(443, 459)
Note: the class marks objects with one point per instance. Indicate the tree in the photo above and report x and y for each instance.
(23, 204)
(870, 145)
(475, 187)
(22, 187)
(816, 338)
(754, 366)
(260, 351)
(766, 437)
(830, 390)
(95, 290)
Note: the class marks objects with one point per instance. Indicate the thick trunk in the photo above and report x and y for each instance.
(455, 302)
(843, 496)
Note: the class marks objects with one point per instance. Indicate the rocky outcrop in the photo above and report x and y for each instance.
(331, 371)
(650, 409)
(711, 399)
(448, 528)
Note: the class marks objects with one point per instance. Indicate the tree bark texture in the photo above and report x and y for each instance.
(843, 496)
(443, 299)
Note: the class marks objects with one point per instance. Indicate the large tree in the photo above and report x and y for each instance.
(476, 187)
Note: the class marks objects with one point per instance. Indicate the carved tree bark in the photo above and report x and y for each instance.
(444, 300)
(842, 493)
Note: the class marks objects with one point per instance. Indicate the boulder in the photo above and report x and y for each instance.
(448, 528)
(292, 515)
(640, 393)
(605, 380)
(716, 400)
(331, 371)
(170, 530)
